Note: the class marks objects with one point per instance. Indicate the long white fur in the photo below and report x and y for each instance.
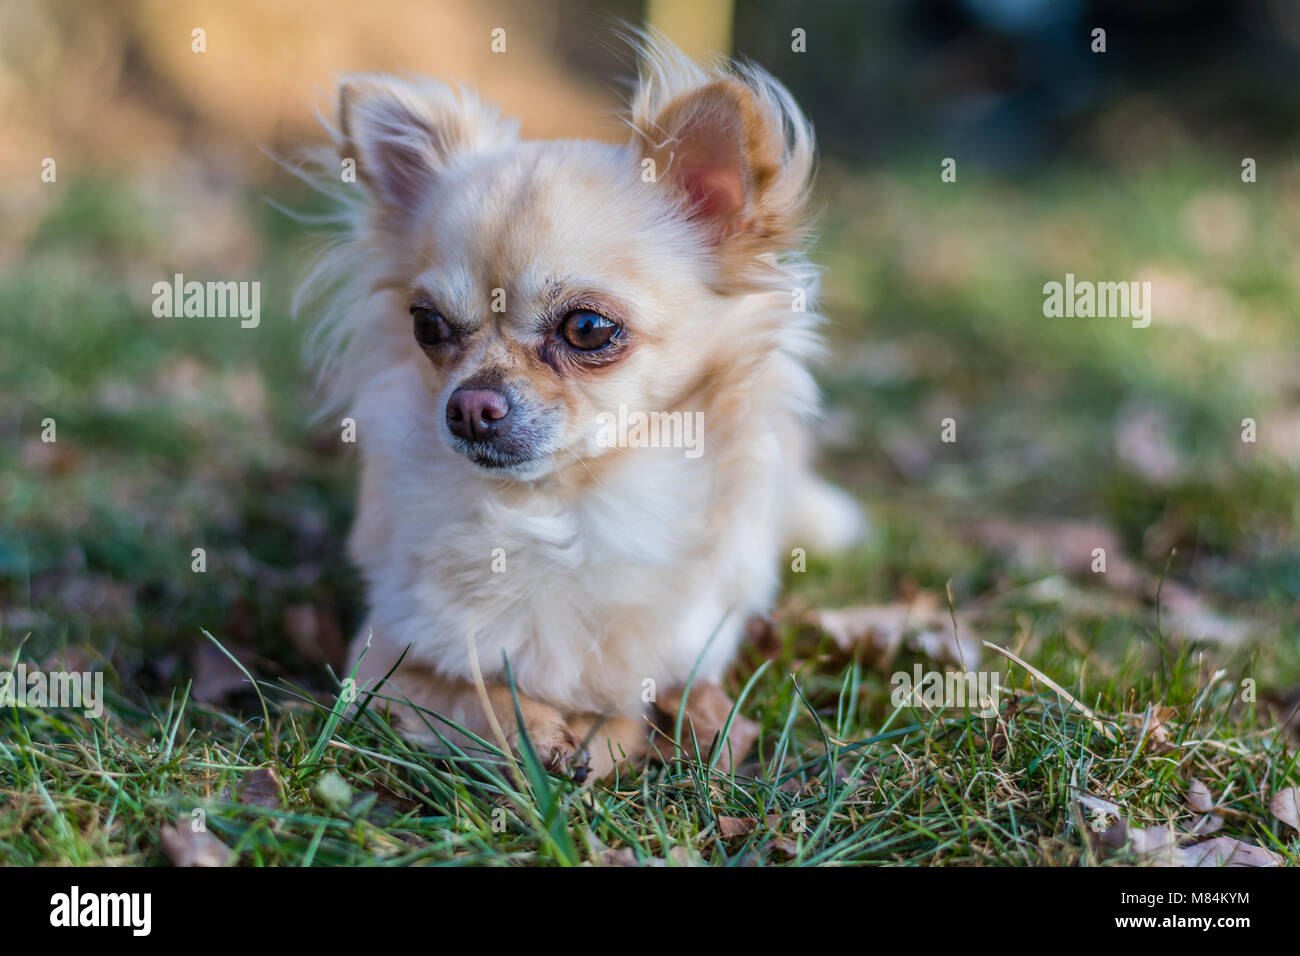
(655, 567)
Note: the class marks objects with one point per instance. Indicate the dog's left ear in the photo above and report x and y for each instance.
(740, 156)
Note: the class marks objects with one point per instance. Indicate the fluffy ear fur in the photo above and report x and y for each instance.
(734, 145)
(401, 133)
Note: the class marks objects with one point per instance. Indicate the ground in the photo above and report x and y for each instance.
(1172, 673)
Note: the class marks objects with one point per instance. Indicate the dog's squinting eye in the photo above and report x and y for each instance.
(587, 331)
(430, 327)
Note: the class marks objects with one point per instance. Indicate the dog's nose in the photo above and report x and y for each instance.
(476, 414)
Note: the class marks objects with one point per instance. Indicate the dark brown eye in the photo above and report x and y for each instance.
(588, 331)
(430, 327)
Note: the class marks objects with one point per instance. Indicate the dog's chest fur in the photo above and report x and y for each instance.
(599, 600)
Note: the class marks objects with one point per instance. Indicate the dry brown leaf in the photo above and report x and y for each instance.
(761, 634)
(52, 458)
(185, 847)
(1160, 845)
(1108, 828)
(215, 675)
(603, 856)
(943, 648)
(1202, 801)
(620, 857)
(1210, 823)
(1225, 851)
(1064, 545)
(707, 707)
(1285, 806)
(684, 856)
(876, 632)
(626, 856)
(999, 740)
(782, 847)
(260, 788)
(315, 634)
(1160, 729)
(1142, 442)
(736, 826)
(1077, 600)
(1284, 710)
(1183, 614)
(1198, 796)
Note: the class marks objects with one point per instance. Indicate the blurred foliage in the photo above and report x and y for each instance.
(180, 433)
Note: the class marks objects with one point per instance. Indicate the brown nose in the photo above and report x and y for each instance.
(476, 414)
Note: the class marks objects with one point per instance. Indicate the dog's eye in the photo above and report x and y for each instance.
(430, 327)
(587, 331)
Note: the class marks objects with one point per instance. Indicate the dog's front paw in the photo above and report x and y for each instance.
(556, 745)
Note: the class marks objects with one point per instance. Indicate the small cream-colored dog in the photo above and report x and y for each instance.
(577, 372)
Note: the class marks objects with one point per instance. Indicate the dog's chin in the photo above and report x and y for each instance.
(502, 463)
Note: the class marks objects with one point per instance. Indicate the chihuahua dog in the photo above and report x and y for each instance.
(578, 377)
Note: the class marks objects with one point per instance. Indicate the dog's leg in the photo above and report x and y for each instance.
(818, 516)
(824, 518)
(462, 702)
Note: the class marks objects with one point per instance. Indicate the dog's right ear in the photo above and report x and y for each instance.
(401, 134)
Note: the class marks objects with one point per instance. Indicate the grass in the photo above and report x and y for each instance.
(177, 434)
(907, 785)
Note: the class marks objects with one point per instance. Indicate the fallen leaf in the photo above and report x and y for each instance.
(736, 826)
(604, 856)
(876, 632)
(315, 634)
(1198, 796)
(1210, 823)
(1077, 600)
(998, 740)
(1065, 546)
(260, 788)
(1142, 443)
(1109, 829)
(684, 856)
(215, 675)
(707, 707)
(943, 648)
(1284, 710)
(1160, 729)
(1160, 845)
(185, 847)
(620, 857)
(793, 786)
(1285, 806)
(1202, 801)
(1184, 614)
(51, 458)
(1225, 851)
(761, 634)
(783, 847)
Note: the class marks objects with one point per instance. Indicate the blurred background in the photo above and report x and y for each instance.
(1072, 434)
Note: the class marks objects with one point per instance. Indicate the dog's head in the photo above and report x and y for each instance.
(539, 285)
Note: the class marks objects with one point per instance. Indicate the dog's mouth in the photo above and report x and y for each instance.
(494, 456)
(515, 450)
(496, 462)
